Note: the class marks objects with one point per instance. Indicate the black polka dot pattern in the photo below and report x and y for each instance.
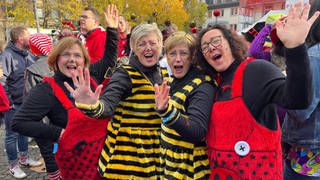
(256, 165)
(80, 163)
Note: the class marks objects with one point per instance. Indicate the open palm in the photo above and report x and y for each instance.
(82, 92)
(111, 15)
(293, 31)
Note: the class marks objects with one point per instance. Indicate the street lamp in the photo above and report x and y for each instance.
(216, 13)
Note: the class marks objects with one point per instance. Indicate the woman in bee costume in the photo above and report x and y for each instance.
(132, 146)
(185, 113)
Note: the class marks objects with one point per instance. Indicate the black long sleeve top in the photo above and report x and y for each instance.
(42, 102)
(198, 105)
(264, 86)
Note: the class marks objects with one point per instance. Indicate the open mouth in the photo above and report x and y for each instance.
(178, 68)
(72, 68)
(149, 57)
(217, 57)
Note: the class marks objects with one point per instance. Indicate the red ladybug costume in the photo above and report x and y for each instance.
(239, 147)
(80, 145)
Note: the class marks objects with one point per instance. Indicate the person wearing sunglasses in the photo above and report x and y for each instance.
(244, 135)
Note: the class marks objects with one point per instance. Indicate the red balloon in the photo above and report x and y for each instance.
(216, 12)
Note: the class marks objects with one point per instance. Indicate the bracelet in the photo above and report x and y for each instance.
(167, 118)
(87, 106)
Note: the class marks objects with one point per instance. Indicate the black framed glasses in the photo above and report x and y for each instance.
(214, 41)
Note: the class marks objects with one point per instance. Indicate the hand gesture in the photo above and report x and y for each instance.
(111, 15)
(162, 95)
(294, 29)
(82, 92)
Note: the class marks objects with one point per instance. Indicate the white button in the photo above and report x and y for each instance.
(242, 148)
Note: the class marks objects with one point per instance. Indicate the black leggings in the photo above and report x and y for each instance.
(46, 148)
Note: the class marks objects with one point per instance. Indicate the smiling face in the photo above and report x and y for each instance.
(179, 60)
(148, 50)
(70, 59)
(216, 50)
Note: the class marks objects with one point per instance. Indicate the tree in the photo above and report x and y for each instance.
(19, 11)
(197, 11)
(158, 11)
(179, 12)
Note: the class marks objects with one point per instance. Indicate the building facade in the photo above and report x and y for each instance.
(239, 14)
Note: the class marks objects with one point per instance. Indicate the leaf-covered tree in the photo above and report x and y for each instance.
(179, 12)
(19, 11)
(197, 11)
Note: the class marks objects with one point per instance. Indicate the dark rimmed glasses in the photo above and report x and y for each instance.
(214, 41)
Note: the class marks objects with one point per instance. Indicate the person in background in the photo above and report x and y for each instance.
(41, 47)
(301, 128)
(166, 32)
(252, 33)
(75, 133)
(262, 44)
(15, 59)
(94, 35)
(185, 110)
(66, 29)
(244, 135)
(132, 146)
(124, 30)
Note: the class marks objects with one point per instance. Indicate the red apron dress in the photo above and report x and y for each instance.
(239, 147)
(80, 145)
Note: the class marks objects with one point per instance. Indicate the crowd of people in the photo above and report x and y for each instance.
(136, 102)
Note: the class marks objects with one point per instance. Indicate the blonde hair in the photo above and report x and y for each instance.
(178, 38)
(142, 30)
(67, 43)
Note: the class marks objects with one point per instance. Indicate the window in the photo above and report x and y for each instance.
(234, 11)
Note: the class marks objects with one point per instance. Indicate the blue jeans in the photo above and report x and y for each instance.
(290, 174)
(13, 139)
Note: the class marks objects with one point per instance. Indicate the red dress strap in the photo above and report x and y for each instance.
(236, 90)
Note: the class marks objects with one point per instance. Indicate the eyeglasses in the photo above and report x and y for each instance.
(214, 41)
(68, 55)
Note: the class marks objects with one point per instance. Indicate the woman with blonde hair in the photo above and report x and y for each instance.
(132, 146)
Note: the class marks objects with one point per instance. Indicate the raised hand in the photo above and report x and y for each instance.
(162, 95)
(82, 92)
(111, 15)
(294, 29)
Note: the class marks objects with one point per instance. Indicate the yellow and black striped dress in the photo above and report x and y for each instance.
(181, 159)
(132, 146)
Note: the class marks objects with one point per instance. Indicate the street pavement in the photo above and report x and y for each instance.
(33, 153)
